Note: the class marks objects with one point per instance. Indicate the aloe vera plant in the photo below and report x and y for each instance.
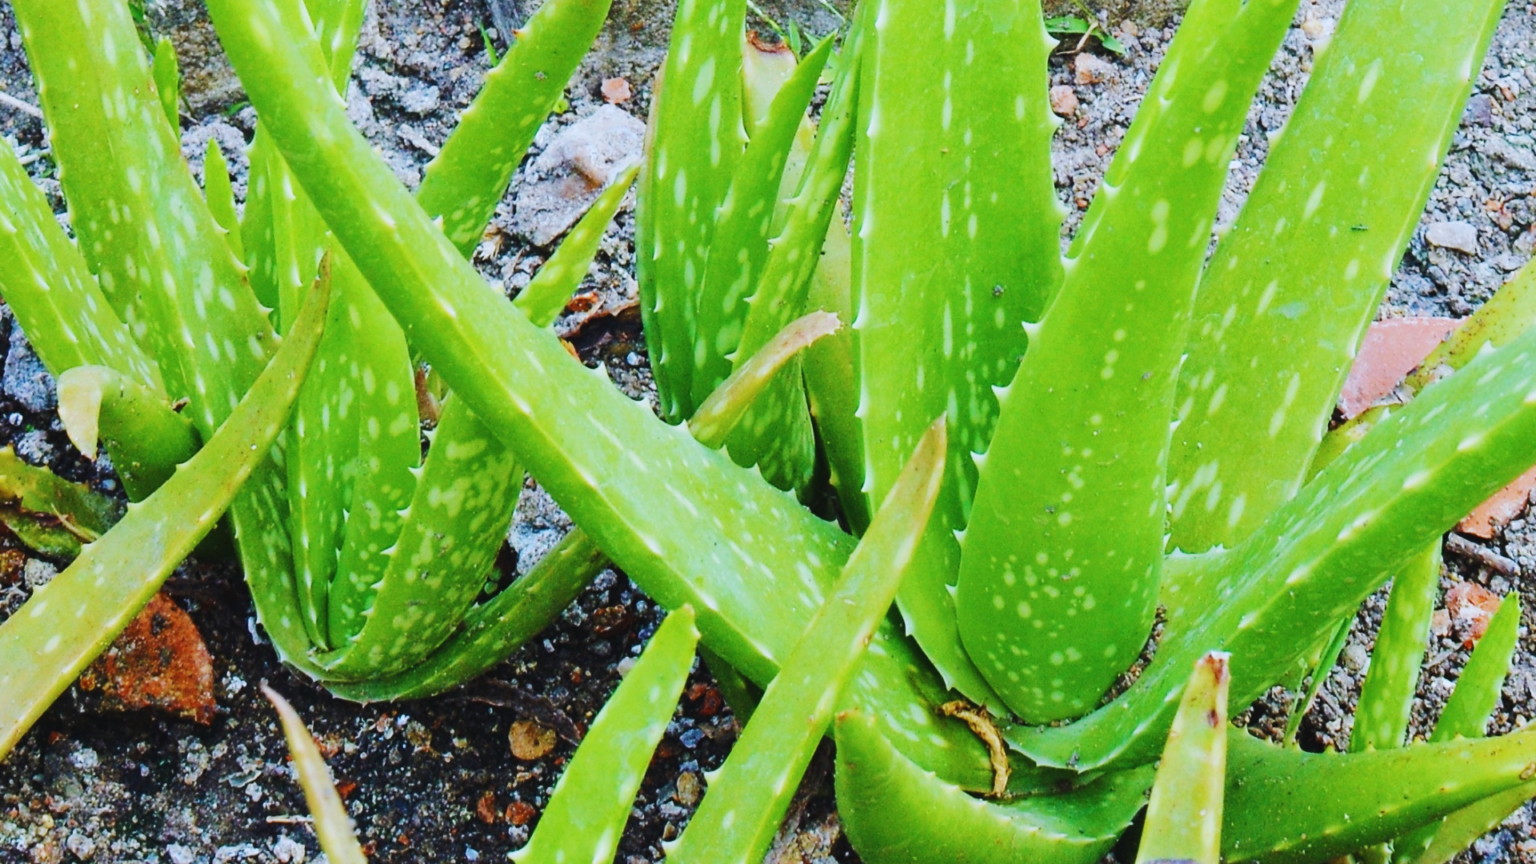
(1138, 424)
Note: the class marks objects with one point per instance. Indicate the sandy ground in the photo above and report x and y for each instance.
(436, 780)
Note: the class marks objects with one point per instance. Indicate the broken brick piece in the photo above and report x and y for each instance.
(1471, 606)
(1391, 349)
(1505, 505)
(159, 661)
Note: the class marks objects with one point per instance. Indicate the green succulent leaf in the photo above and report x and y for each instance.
(751, 792)
(831, 387)
(879, 791)
(491, 631)
(1386, 699)
(744, 226)
(1319, 677)
(1184, 813)
(1291, 288)
(47, 284)
(333, 826)
(167, 76)
(593, 798)
(546, 296)
(1316, 559)
(1335, 804)
(220, 194)
(695, 142)
(448, 542)
(66, 623)
(955, 245)
(467, 179)
(1052, 606)
(147, 439)
(139, 218)
(1465, 715)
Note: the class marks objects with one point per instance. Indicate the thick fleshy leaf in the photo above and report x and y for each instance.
(220, 194)
(140, 220)
(545, 297)
(1052, 606)
(1319, 556)
(332, 825)
(61, 628)
(1184, 813)
(56, 299)
(879, 792)
(147, 439)
(695, 141)
(1335, 804)
(1466, 715)
(693, 529)
(71, 513)
(751, 792)
(1291, 289)
(743, 227)
(955, 245)
(593, 798)
(1386, 699)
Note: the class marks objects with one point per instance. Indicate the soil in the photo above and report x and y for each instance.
(438, 779)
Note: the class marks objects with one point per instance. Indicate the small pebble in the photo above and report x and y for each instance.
(1063, 100)
(1460, 236)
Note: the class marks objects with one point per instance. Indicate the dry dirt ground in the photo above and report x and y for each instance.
(436, 780)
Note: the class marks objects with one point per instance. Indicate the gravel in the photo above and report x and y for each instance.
(437, 779)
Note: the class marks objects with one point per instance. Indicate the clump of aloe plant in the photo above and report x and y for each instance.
(1134, 426)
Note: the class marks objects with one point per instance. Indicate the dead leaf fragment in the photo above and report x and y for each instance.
(1506, 504)
(530, 741)
(159, 661)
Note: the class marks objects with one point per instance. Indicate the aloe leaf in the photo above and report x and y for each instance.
(879, 791)
(448, 542)
(65, 624)
(1322, 553)
(1052, 606)
(46, 283)
(743, 226)
(592, 800)
(1335, 804)
(493, 630)
(831, 388)
(1320, 674)
(384, 452)
(1465, 716)
(579, 435)
(695, 142)
(67, 514)
(465, 181)
(1506, 315)
(146, 438)
(545, 297)
(718, 415)
(332, 825)
(167, 76)
(1184, 813)
(257, 237)
(1386, 699)
(753, 588)
(955, 246)
(220, 194)
(139, 218)
(1290, 290)
(750, 793)
(777, 434)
